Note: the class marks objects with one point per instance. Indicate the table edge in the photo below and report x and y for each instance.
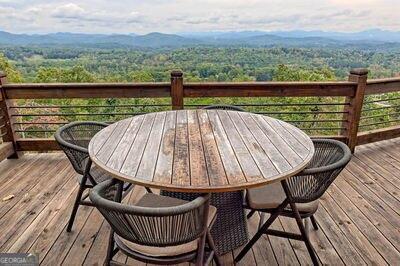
(223, 188)
(201, 189)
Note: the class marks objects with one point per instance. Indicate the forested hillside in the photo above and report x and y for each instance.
(47, 64)
(66, 64)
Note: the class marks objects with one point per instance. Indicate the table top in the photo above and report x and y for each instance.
(201, 150)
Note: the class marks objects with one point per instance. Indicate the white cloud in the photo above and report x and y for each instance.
(196, 15)
(69, 10)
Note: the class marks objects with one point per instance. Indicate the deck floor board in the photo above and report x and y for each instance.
(359, 217)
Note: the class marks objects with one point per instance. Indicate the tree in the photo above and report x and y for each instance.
(264, 74)
(286, 73)
(64, 75)
(141, 76)
(13, 74)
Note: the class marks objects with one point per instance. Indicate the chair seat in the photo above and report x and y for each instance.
(156, 201)
(98, 175)
(270, 196)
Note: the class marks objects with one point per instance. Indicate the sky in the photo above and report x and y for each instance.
(174, 16)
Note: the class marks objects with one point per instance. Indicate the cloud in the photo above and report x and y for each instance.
(141, 16)
(70, 10)
(72, 13)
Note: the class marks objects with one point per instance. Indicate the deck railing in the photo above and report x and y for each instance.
(380, 118)
(356, 111)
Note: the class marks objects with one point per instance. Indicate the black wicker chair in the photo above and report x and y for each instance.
(223, 107)
(158, 229)
(297, 197)
(74, 139)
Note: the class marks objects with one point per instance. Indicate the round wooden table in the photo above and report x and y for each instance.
(204, 151)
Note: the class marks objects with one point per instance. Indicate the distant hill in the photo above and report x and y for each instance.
(376, 35)
(157, 39)
(64, 38)
(244, 38)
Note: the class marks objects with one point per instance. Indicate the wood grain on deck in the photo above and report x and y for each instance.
(359, 216)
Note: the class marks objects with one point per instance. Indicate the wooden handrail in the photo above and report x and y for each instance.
(378, 86)
(86, 90)
(354, 90)
(270, 89)
(378, 134)
(159, 90)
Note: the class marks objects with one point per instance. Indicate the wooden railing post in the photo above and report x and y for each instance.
(177, 89)
(352, 118)
(7, 130)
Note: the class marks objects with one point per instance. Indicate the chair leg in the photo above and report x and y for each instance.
(304, 234)
(300, 224)
(211, 243)
(76, 206)
(202, 240)
(262, 217)
(262, 230)
(200, 251)
(250, 214)
(111, 242)
(314, 222)
(306, 224)
(82, 187)
(110, 248)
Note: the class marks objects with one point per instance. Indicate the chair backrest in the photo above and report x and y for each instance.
(160, 227)
(74, 139)
(223, 107)
(330, 158)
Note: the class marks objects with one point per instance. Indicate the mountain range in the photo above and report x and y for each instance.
(233, 38)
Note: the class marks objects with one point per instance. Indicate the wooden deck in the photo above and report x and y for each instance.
(359, 217)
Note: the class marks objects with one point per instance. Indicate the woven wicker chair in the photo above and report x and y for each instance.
(158, 229)
(297, 197)
(223, 107)
(74, 139)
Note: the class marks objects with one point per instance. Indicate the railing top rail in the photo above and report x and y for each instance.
(85, 90)
(162, 84)
(272, 83)
(269, 89)
(378, 86)
(204, 89)
(385, 80)
(85, 85)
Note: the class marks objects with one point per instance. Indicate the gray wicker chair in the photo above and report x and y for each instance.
(223, 107)
(300, 192)
(158, 229)
(74, 139)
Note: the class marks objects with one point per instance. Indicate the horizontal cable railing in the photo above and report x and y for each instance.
(381, 110)
(41, 118)
(315, 115)
(31, 113)
(380, 117)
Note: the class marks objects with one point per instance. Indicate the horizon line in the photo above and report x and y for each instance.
(210, 31)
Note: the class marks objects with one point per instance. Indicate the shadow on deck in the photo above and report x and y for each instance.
(359, 217)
